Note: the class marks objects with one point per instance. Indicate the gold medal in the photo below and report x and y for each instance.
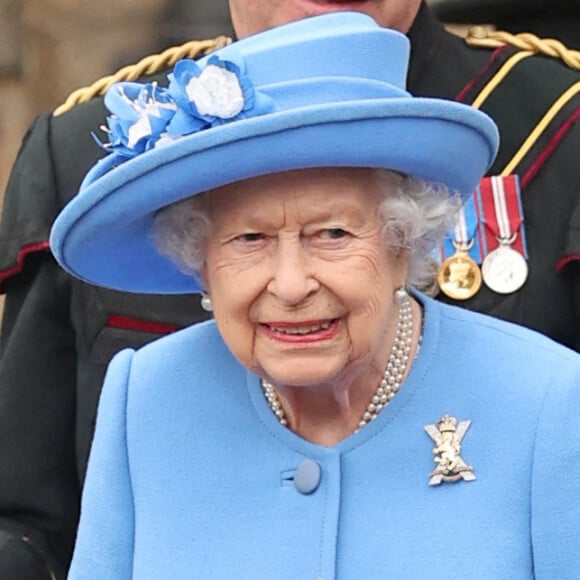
(459, 276)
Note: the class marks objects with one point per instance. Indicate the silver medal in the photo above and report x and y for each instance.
(504, 270)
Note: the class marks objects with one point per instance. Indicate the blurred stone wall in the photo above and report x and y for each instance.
(56, 46)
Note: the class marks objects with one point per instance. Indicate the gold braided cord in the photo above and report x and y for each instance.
(147, 66)
(483, 37)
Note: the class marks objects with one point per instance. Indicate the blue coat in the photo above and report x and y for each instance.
(191, 475)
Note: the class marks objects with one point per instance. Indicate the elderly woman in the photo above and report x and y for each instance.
(332, 422)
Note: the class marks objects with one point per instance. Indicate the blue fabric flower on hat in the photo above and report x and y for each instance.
(145, 116)
(218, 93)
(140, 114)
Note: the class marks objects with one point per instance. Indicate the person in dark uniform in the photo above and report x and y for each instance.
(58, 334)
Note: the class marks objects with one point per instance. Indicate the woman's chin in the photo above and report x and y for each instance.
(309, 373)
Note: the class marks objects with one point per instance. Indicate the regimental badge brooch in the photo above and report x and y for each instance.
(448, 434)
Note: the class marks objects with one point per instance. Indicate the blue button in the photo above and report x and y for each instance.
(307, 477)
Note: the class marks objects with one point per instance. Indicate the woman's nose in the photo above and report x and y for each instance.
(292, 279)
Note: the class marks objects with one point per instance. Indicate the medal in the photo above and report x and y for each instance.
(504, 268)
(459, 276)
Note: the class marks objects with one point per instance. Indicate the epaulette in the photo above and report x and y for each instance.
(551, 112)
(147, 66)
(483, 37)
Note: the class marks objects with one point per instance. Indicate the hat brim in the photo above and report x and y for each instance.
(104, 235)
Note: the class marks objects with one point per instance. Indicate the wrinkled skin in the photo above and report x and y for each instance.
(305, 252)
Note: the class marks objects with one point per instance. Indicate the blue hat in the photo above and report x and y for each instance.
(326, 91)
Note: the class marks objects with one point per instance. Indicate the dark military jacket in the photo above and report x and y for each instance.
(58, 334)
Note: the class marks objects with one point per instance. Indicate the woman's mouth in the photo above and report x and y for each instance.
(308, 331)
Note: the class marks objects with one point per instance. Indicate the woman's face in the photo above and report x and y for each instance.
(300, 276)
(251, 16)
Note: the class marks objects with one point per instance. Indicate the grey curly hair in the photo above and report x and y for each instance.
(415, 214)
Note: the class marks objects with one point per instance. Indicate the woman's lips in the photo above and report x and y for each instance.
(302, 332)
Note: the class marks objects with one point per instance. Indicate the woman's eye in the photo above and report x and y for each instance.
(336, 233)
(251, 237)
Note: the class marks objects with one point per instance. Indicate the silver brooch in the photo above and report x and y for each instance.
(448, 434)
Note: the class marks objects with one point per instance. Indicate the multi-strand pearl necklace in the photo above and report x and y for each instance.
(392, 377)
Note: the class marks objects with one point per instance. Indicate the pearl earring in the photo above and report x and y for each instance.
(206, 302)
(401, 295)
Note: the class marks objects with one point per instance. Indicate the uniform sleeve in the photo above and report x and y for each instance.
(55, 154)
(39, 489)
(555, 508)
(104, 547)
(30, 202)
